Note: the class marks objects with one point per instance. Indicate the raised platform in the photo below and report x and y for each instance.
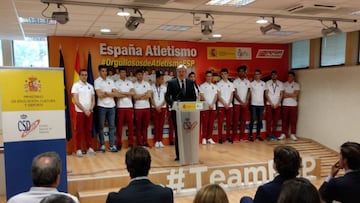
(237, 166)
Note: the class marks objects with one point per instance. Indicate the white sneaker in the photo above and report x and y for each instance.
(210, 141)
(79, 153)
(293, 137)
(282, 136)
(204, 141)
(161, 145)
(102, 148)
(91, 151)
(157, 144)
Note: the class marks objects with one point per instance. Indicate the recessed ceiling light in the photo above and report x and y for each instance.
(356, 13)
(281, 33)
(236, 3)
(37, 21)
(174, 28)
(105, 30)
(216, 35)
(262, 21)
(123, 13)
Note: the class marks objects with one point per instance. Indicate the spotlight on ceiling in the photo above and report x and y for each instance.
(207, 25)
(133, 22)
(122, 12)
(61, 17)
(262, 20)
(271, 26)
(330, 29)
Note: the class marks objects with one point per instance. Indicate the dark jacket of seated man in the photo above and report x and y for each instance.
(345, 189)
(140, 188)
(287, 162)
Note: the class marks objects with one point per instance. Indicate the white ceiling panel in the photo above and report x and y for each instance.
(236, 24)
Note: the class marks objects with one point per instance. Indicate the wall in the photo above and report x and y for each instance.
(329, 106)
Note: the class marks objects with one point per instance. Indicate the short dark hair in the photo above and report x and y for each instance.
(102, 67)
(138, 161)
(121, 68)
(287, 161)
(82, 70)
(209, 72)
(45, 174)
(224, 70)
(57, 198)
(351, 152)
(292, 73)
(274, 72)
(258, 71)
(298, 190)
(191, 73)
(242, 67)
(139, 71)
(158, 74)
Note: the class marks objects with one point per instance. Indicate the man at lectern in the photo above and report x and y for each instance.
(179, 88)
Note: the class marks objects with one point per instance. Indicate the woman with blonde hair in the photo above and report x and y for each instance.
(212, 193)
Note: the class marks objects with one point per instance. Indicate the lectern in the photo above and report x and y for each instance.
(188, 129)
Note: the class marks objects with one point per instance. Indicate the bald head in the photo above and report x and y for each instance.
(46, 168)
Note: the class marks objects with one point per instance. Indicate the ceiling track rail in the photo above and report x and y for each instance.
(178, 10)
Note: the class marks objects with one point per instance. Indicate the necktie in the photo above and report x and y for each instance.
(183, 87)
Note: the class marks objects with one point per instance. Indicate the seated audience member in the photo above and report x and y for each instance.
(140, 188)
(298, 190)
(345, 189)
(287, 162)
(57, 198)
(212, 193)
(45, 171)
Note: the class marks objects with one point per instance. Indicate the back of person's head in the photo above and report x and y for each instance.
(350, 151)
(212, 193)
(57, 198)
(46, 168)
(287, 161)
(298, 190)
(138, 161)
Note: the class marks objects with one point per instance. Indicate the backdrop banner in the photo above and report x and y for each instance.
(33, 121)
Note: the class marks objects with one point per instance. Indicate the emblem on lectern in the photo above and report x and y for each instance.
(188, 125)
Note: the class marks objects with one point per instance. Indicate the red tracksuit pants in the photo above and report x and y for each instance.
(83, 129)
(207, 123)
(222, 112)
(125, 116)
(241, 113)
(289, 113)
(159, 120)
(142, 120)
(272, 118)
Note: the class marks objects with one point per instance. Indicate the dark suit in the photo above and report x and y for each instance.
(345, 189)
(140, 191)
(174, 93)
(267, 193)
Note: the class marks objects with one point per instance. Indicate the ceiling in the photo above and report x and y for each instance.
(86, 21)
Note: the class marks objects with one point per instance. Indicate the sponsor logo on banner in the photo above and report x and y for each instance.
(26, 126)
(229, 53)
(270, 53)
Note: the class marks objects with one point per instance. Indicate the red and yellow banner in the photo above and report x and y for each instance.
(152, 54)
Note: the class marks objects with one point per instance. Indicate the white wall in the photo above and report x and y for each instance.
(329, 106)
